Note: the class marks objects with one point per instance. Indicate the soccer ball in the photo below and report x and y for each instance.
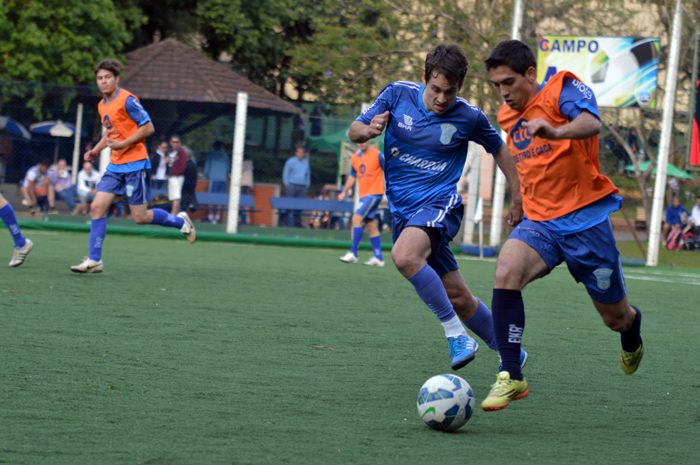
(445, 402)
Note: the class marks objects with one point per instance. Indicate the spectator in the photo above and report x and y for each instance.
(217, 169)
(246, 185)
(632, 140)
(177, 162)
(60, 187)
(316, 115)
(87, 185)
(296, 178)
(694, 219)
(189, 199)
(673, 216)
(159, 166)
(35, 187)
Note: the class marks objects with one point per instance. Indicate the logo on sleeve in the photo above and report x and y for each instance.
(603, 277)
(407, 123)
(519, 135)
(447, 132)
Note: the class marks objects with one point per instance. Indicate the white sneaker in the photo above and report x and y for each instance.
(188, 228)
(349, 258)
(88, 266)
(374, 261)
(21, 253)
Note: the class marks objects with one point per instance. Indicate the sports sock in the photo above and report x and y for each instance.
(481, 324)
(356, 238)
(164, 218)
(630, 338)
(7, 214)
(98, 231)
(508, 324)
(377, 246)
(453, 327)
(431, 291)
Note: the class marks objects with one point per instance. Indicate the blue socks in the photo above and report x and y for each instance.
(7, 214)
(630, 339)
(481, 324)
(164, 218)
(431, 290)
(508, 324)
(356, 238)
(377, 246)
(98, 231)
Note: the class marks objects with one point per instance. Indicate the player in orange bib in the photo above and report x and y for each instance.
(553, 137)
(126, 125)
(367, 169)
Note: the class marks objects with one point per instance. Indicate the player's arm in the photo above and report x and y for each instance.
(583, 126)
(141, 133)
(91, 154)
(360, 132)
(505, 162)
(348, 185)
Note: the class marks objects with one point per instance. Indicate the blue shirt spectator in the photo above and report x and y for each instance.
(297, 170)
(674, 212)
(217, 168)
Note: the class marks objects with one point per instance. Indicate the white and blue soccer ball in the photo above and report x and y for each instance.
(445, 402)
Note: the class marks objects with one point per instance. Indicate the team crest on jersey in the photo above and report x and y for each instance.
(407, 123)
(395, 151)
(363, 168)
(603, 277)
(447, 132)
(129, 190)
(106, 122)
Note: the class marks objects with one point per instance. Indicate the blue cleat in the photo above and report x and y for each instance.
(523, 360)
(462, 350)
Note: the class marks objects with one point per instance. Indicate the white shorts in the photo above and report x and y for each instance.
(175, 187)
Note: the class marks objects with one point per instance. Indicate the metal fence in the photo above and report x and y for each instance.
(270, 138)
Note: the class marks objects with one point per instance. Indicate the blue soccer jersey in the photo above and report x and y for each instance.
(425, 152)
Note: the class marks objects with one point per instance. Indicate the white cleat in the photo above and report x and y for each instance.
(374, 261)
(188, 228)
(21, 253)
(88, 266)
(349, 258)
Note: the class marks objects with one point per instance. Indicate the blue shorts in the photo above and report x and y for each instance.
(591, 256)
(443, 214)
(368, 206)
(136, 185)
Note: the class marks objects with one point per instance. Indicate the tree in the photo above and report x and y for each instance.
(58, 42)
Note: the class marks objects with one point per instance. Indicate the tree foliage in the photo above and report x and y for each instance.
(58, 42)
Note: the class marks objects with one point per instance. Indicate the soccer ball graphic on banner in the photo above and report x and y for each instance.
(445, 402)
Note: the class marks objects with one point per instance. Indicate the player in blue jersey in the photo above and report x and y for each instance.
(22, 245)
(427, 133)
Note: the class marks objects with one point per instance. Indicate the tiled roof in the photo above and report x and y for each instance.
(170, 70)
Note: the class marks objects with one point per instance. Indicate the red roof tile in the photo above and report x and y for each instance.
(170, 70)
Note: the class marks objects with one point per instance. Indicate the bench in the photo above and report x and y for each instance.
(640, 220)
(311, 205)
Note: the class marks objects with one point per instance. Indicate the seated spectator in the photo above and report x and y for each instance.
(35, 187)
(87, 186)
(694, 218)
(60, 187)
(673, 216)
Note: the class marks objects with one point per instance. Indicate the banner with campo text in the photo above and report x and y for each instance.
(621, 71)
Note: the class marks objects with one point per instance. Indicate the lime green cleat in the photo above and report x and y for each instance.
(629, 361)
(503, 391)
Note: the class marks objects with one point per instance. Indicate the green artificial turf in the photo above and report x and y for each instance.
(225, 353)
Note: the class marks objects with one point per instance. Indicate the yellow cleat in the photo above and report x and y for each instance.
(629, 361)
(503, 391)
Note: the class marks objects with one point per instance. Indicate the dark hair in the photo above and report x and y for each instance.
(46, 162)
(514, 54)
(110, 64)
(175, 135)
(299, 145)
(448, 60)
